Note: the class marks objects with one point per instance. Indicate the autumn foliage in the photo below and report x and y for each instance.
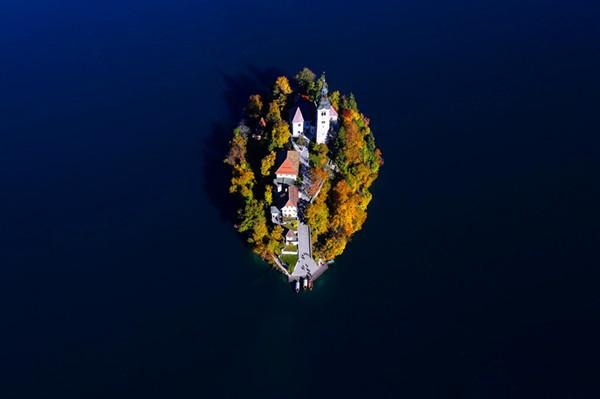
(357, 161)
(341, 172)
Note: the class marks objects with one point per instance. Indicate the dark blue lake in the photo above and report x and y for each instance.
(477, 274)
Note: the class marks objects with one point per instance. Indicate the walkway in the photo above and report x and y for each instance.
(306, 265)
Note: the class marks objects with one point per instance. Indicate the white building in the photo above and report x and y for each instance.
(326, 114)
(291, 237)
(302, 117)
(289, 208)
(307, 118)
(297, 123)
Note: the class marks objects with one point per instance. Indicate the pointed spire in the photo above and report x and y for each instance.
(298, 117)
(324, 89)
(324, 101)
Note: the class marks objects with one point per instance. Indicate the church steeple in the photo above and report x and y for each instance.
(324, 89)
(323, 113)
(324, 100)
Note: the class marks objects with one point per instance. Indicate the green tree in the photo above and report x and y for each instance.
(315, 89)
(349, 102)
(305, 79)
(334, 99)
(318, 155)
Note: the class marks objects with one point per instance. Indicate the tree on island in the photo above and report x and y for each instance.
(305, 79)
(254, 107)
(340, 172)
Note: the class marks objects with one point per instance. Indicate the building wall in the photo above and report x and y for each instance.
(289, 211)
(293, 177)
(291, 242)
(323, 121)
(297, 129)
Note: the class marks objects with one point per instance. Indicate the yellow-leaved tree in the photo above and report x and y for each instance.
(280, 135)
(267, 163)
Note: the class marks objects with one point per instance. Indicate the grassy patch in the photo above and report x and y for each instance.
(290, 261)
(291, 248)
(291, 268)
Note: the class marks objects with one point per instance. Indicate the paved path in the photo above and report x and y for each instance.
(306, 265)
(303, 150)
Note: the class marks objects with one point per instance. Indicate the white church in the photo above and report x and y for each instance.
(310, 119)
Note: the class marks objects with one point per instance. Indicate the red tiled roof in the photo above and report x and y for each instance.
(333, 112)
(292, 196)
(290, 164)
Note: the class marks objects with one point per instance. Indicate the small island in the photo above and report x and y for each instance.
(302, 161)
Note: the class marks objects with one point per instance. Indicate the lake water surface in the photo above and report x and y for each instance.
(476, 275)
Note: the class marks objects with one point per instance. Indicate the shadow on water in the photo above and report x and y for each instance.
(216, 174)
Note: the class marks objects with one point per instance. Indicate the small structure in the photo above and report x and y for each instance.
(297, 123)
(276, 216)
(302, 117)
(288, 202)
(291, 237)
(288, 169)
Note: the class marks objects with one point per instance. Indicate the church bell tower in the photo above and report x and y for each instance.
(323, 114)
